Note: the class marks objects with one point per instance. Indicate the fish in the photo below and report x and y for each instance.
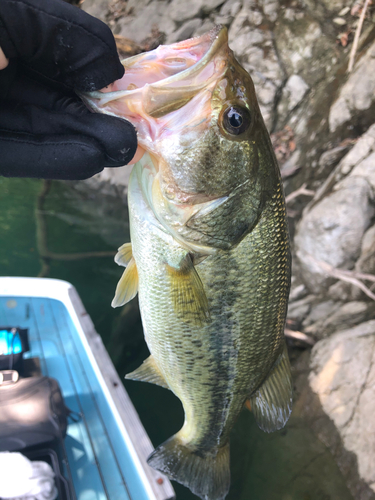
(209, 254)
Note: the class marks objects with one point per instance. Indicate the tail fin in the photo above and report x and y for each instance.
(206, 474)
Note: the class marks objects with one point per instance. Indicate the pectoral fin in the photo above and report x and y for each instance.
(124, 254)
(127, 287)
(271, 404)
(188, 295)
(148, 372)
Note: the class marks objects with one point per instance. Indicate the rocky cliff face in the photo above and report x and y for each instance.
(322, 121)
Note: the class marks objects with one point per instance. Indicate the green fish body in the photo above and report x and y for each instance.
(209, 258)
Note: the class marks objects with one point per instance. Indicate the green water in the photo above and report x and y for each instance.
(288, 465)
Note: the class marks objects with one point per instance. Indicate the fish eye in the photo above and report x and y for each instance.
(236, 120)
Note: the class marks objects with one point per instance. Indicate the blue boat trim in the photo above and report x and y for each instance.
(107, 449)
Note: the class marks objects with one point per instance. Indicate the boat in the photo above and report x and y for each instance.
(103, 455)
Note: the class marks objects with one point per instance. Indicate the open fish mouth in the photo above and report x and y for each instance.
(162, 81)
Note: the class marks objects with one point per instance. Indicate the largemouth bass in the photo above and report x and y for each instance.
(209, 253)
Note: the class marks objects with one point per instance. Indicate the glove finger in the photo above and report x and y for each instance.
(38, 143)
(24, 89)
(60, 42)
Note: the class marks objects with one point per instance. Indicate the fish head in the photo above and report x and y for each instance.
(196, 113)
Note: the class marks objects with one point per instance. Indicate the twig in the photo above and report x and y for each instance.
(299, 192)
(293, 334)
(356, 37)
(357, 275)
(344, 275)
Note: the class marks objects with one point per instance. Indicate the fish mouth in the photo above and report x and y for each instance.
(166, 94)
(163, 80)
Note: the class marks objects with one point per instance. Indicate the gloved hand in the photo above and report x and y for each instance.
(55, 49)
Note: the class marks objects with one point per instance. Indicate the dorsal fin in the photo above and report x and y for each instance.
(188, 295)
(127, 287)
(271, 404)
(148, 372)
(124, 254)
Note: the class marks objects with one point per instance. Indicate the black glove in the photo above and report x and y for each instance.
(45, 129)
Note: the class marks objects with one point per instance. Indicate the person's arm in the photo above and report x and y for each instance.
(54, 50)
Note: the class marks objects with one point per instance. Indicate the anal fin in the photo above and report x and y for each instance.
(148, 372)
(271, 404)
(127, 287)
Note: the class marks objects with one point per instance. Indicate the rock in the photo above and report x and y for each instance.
(239, 22)
(297, 292)
(255, 17)
(291, 163)
(96, 8)
(315, 323)
(230, 8)
(357, 94)
(337, 245)
(360, 151)
(270, 9)
(336, 5)
(293, 92)
(246, 38)
(207, 25)
(292, 14)
(299, 309)
(136, 7)
(330, 158)
(326, 9)
(340, 21)
(185, 31)
(340, 290)
(320, 312)
(366, 262)
(348, 315)
(332, 231)
(366, 169)
(250, 45)
(181, 10)
(219, 19)
(139, 27)
(266, 94)
(343, 377)
(303, 49)
(299, 119)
